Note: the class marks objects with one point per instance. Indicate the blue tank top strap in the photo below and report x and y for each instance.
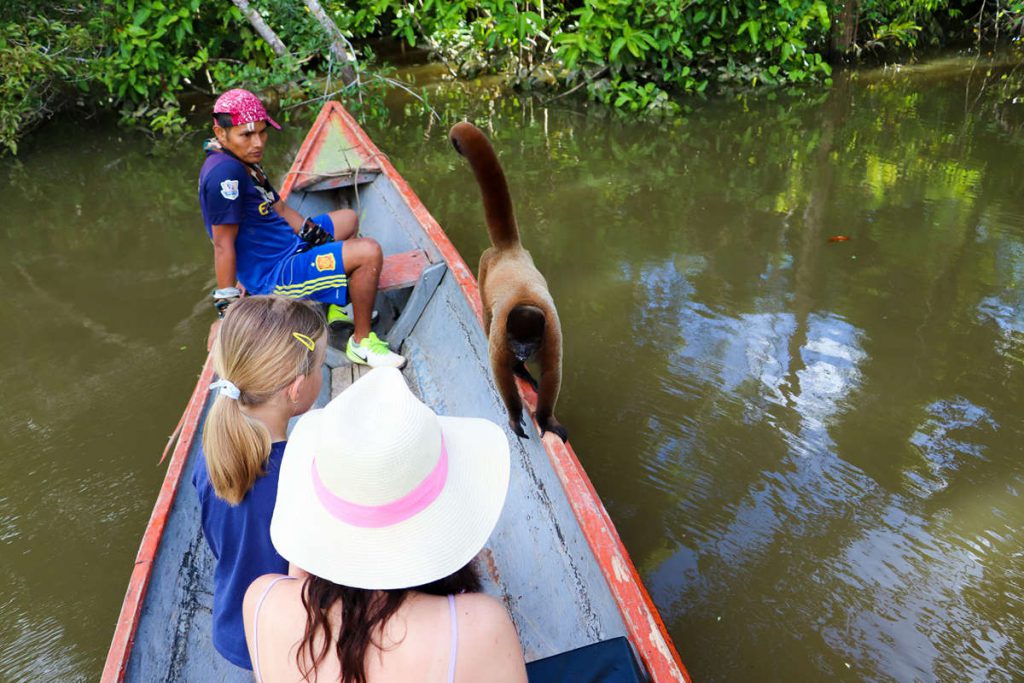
(453, 615)
(256, 628)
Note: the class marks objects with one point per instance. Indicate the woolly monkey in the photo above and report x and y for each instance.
(519, 315)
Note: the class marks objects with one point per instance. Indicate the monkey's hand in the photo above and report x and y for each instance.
(552, 425)
(516, 423)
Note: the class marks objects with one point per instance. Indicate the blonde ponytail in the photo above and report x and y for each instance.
(256, 350)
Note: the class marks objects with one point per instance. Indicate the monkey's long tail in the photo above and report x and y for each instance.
(470, 142)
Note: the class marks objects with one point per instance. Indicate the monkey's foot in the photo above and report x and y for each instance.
(516, 423)
(552, 425)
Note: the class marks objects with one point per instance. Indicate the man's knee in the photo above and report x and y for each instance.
(362, 251)
(370, 248)
(346, 223)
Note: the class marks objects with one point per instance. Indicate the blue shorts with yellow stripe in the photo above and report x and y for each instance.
(317, 274)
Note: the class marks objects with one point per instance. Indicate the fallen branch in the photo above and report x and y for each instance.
(586, 80)
(341, 50)
(261, 27)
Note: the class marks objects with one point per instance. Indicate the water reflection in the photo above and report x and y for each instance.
(945, 438)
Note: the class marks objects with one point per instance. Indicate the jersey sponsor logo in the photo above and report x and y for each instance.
(325, 262)
(268, 200)
(229, 189)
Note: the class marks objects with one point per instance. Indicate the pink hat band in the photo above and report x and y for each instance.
(244, 107)
(399, 510)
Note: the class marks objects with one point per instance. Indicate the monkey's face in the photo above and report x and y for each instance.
(525, 330)
(523, 349)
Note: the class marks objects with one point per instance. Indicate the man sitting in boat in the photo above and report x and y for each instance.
(269, 247)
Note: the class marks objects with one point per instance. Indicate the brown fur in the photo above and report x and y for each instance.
(519, 316)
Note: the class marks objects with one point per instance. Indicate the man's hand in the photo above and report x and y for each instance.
(224, 297)
(314, 235)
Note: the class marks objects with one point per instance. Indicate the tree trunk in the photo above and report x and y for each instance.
(261, 27)
(844, 28)
(340, 47)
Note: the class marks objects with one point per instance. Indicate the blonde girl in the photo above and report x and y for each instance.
(268, 355)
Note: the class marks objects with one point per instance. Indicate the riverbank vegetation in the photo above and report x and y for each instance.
(142, 58)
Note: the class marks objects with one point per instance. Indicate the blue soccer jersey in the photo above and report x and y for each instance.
(227, 195)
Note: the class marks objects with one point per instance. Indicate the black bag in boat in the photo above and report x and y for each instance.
(610, 661)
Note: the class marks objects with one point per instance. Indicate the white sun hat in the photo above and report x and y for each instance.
(378, 492)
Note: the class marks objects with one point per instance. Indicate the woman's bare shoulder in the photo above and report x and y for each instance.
(479, 615)
(258, 586)
(481, 606)
(255, 592)
(488, 638)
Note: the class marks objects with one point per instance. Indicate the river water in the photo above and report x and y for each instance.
(810, 445)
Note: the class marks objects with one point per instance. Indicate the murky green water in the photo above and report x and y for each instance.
(811, 448)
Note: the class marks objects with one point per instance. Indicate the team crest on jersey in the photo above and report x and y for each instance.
(325, 262)
(229, 189)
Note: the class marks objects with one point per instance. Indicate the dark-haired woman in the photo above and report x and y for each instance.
(384, 504)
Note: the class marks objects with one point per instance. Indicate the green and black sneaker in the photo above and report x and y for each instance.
(374, 352)
(342, 315)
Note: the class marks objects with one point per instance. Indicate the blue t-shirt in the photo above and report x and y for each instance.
(239, 536)
(228, 195)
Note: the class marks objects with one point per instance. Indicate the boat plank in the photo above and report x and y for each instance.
(344, 375)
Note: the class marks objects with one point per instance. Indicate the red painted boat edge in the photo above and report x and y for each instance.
(128, 620)
(646, 629)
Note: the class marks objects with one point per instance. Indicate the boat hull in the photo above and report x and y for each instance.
(554, 557)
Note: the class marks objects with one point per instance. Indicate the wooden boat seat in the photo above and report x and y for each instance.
(333, 181)
(401, 271)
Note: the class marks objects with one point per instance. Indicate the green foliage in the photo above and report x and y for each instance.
(895, 23)
(139, 57)
(471, 37)
(640, 50)
(37, 66)
(152, 53)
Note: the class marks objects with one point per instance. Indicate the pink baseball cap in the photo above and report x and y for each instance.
(244, 108)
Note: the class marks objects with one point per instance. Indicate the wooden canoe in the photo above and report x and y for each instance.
(555, 558)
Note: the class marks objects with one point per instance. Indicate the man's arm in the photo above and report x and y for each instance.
(308, 231)
(224, 254)
(290, 215)
(224, 265)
